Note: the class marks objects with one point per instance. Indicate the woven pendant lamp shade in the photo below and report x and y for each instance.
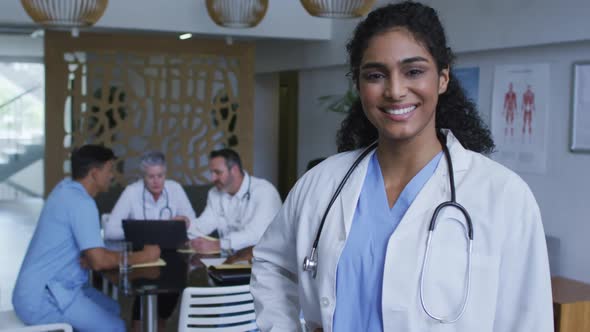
(337, 8)
(66, 13)
(237, 13)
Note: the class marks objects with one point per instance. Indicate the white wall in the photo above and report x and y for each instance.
(317, 127)
(563, 192)
(471, 25)
(20, 46)
(266, 127)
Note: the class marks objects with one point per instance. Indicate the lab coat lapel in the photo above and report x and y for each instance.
(351, 191)
(437, 189)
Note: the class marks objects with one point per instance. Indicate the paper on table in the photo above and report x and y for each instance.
(186, 251)
(213, 261)
(233, 266)
(159, 262)
(193, 251)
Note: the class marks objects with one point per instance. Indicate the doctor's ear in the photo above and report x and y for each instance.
(443, 81)
(92, 173)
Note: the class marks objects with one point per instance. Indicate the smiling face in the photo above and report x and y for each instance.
(399, 84)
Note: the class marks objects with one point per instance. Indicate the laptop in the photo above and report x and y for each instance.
(168, 234)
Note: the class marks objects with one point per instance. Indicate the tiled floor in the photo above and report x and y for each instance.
(17, 223)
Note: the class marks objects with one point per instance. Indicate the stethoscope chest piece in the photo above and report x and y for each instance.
(310, 264)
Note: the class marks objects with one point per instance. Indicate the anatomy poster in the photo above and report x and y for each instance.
(519, 116)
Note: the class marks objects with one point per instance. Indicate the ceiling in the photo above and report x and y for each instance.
(285, 19)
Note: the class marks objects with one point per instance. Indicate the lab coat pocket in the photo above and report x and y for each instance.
(451, 278)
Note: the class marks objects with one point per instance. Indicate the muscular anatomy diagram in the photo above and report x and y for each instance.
(528, 107)
(509, 109)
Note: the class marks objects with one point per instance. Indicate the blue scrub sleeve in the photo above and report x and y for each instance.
(86, 226)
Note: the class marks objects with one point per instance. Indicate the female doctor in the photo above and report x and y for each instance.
(378, 255)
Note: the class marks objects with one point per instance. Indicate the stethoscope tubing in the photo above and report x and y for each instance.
(166, 207)
(246, 196)
(310, 263)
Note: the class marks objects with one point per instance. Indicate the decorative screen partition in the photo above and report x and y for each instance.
(136, 93)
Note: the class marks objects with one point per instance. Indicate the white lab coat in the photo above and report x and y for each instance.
(135, 199)
(243, 219)
(510, 281)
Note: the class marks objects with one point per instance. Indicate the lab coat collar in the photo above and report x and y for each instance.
(351, 191)
(459, 155)
(246, 182)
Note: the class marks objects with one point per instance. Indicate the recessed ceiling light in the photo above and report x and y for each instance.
(185, 36)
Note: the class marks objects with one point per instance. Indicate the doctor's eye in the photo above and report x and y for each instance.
(372, 76)
(414, 72)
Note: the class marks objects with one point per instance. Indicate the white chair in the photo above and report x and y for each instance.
(10, 322)
(220, 309)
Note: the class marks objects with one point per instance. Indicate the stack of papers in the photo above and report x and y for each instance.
(159, 262)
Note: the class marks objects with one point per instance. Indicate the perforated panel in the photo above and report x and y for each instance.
(184, 103)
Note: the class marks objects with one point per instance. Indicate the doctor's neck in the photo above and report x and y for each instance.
(406, 157)
(90, 189)
(156, 195)
(89, 185)
(236, 183)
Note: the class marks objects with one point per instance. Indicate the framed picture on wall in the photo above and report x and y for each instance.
(580, 126)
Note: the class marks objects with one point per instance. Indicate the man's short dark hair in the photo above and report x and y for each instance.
(232, 158)
(88, 157)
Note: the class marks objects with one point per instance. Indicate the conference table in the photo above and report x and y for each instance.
(181, 270)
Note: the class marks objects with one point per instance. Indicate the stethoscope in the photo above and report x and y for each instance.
(246, 197)
(310, 263)
(162, 210)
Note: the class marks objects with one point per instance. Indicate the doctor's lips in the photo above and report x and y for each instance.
(399, 111)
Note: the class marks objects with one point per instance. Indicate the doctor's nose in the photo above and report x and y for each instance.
(395, 88)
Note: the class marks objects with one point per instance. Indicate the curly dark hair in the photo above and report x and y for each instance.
(454, 110)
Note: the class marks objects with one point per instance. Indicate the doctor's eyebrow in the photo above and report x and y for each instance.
(382, 66)
(413, 60)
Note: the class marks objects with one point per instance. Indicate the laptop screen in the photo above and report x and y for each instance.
(168, 234)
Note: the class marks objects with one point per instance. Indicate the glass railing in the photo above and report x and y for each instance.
(22, 129)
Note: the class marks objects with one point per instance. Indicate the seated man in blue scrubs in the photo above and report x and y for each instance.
(52, 284)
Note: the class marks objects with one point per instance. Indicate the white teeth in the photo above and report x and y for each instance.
(401, 111)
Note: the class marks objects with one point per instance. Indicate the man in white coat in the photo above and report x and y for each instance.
(239, 206)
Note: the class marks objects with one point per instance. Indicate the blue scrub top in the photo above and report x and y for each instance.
(359, 279)
(51, 271)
